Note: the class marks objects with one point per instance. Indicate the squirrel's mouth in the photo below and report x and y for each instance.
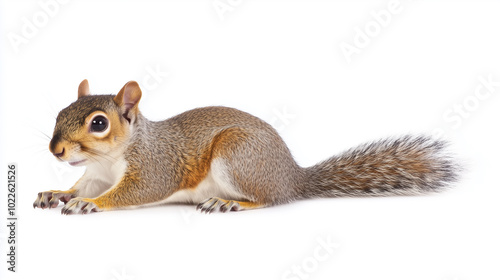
(76, 163)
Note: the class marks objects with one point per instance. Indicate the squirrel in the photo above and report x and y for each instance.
(219, 158)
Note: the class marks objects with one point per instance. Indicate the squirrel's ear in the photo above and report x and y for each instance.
(128, 98)
(83, 88)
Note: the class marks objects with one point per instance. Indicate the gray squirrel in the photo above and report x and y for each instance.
(219, 158)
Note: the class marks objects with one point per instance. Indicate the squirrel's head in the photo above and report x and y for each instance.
(94, 126)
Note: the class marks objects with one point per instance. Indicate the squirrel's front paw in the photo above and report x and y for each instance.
(80, 205)
(51, 199)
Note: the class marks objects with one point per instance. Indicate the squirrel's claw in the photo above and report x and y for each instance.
(42, 200)
(213, 204)
(50, 199)
(79, 205)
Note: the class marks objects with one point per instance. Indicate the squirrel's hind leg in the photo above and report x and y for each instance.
(218, 204)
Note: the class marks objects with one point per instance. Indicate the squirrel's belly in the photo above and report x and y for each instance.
(216, 184)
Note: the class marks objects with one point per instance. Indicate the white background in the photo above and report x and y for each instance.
(267, 58)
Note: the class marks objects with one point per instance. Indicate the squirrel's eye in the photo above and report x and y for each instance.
(99, 124)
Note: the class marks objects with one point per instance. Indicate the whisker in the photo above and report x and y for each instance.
(120, 141)
(45, 134)
(95, 159)
(97, 154)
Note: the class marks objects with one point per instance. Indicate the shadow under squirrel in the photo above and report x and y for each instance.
(219, 158)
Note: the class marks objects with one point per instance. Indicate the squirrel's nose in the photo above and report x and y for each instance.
(59, 154)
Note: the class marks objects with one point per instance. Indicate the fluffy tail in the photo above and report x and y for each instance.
(406, 166)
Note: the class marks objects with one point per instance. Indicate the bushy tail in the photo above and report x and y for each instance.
(406, 166)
